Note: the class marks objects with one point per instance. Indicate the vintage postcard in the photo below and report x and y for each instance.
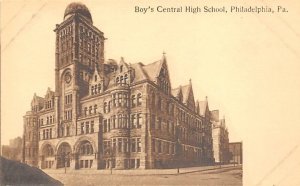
(148, 92)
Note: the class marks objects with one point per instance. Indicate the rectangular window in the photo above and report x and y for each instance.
(133, 121)
(114, 145)
(82, 128)
(139, 120)
(92, 126)
(133, 145)
(125, 145)
(87, 127)
(119, 144)
(153, 145)
(139, 146)
(159, 146)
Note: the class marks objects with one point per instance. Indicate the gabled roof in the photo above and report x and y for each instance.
(37, 100)
(153, 69)
(203, 107)
(49, 93)
(185, 93)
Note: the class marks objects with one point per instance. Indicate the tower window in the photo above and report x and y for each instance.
(139, 99)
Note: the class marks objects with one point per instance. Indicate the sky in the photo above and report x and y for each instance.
(246, 63)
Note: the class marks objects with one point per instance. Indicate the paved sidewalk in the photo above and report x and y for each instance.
(139, 171)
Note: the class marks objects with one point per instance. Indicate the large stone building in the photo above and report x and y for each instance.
(220, 138)
(109, 114)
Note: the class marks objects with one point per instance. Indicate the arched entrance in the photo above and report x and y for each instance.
(64, 154)
(47, 156)
(85, 154)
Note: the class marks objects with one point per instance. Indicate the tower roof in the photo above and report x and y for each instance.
(77, 8)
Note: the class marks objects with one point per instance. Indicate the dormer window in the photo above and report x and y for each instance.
(99, 88)
(121, 79)
(95, 78)
(95, 89)
(92, 90)
(117, 80)
(121, 68)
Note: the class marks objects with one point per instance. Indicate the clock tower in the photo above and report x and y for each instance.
(79, 50)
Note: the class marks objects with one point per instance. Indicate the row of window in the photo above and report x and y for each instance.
(96, 89)
(122, 79)
(87, 60)
(182, 115)
(165, 147)
(122, 145)
(68, 114)
(31, 136)
(85, 163)
(88, 33)
(68, 99)
(47, 134)
(63, 130)
(35, 108)
(158, 123)
(68, 30)
(121, 121)
(31, 152)
(49, 120)
(121, 99)
(90, 110)
(86, 148)
(48, 104)
(87, 127)
(30, 122)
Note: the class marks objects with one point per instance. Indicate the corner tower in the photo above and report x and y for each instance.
(79, 50)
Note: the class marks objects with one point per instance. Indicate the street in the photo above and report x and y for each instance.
(225, 176)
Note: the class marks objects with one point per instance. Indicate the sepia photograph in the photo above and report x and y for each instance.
(148, 92)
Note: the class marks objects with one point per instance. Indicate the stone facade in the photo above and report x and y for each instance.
(108, 114)
(220, 139)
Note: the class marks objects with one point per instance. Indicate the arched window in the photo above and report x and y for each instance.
(105, 107)
(99, 88)
(85, 111)
(120, 121)
(121, 79)
(109, 105)
(95, 89)
(90, 109)
(95, 109)
(125, 121)
(139, 99)
(92, 90)
(86, 148)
